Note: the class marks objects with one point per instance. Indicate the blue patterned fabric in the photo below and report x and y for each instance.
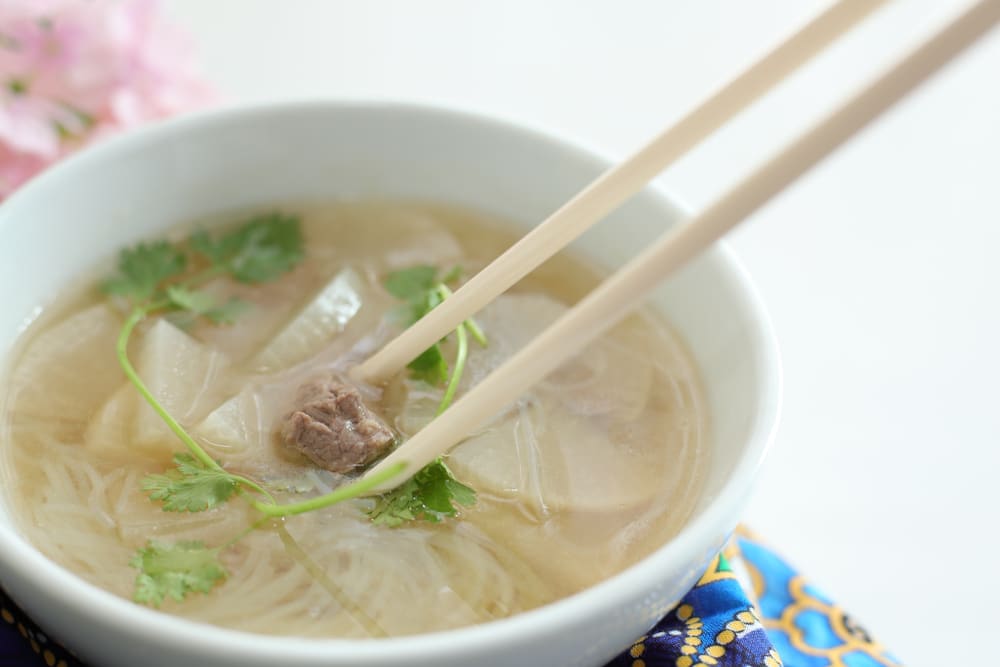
(750, 609)
(24, 644)
(715, 624)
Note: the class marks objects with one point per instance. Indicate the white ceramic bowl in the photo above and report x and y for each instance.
(136, 186)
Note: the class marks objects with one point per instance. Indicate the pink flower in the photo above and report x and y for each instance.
(72, 71)
(15, 168)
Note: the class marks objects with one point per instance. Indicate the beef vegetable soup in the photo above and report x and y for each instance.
(184, 433)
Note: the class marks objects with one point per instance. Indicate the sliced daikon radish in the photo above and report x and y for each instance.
(63, 376)
(555, 449)
(612, 376)
(549, 458)
(110, 430)
(510, 322)
(240, 432)
(234, 426)
(608, 376)
(326, 315)
(502, 457)
(185, 376)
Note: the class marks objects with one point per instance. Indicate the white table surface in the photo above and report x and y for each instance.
(879, 268)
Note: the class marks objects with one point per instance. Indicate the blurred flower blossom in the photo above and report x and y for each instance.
(72, 71)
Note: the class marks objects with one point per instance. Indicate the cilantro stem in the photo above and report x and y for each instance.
(346, 492)
(474, 329)
(456, 376)
(293, 549)
(137, 315)
(476, 332)
(249, 483)
(246, 531)
(461, 354)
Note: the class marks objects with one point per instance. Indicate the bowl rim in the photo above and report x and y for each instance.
(22, 559)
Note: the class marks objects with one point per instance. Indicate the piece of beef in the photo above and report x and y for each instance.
(333, 427)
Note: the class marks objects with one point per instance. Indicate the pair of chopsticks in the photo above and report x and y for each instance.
(610, 302)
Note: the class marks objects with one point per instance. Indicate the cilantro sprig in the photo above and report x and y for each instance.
(143, 268)
(164, 278)
(175, 570)
(433, 492)
(422, 290)
(193, 487)
(154, 279)
(256, 252)
(200, 304)
(430, 495)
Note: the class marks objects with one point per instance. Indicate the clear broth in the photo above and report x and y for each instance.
(576, 482)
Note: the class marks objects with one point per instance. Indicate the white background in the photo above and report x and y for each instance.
(879, 268)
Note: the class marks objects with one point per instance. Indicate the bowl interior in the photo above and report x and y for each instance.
(137, 186)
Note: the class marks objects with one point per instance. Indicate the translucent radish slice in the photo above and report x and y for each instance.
(67, 371)
(325, 316)
(187, 378)
(110, 430)
(611, 376)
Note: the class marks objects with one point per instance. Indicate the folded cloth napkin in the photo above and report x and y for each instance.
(750, 609)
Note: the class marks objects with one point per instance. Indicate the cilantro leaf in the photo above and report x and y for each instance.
(411, 284)
(190, 300)
(192, 487)
(431, 300)
(430, 495)
(454, 274)
(257, 251)
(143, 267)
(228, 312)
(430, 366)
(202, 304)
(419, 287)
(174, 570)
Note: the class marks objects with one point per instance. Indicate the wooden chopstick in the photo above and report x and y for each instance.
(615, 186)
(625, 289)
